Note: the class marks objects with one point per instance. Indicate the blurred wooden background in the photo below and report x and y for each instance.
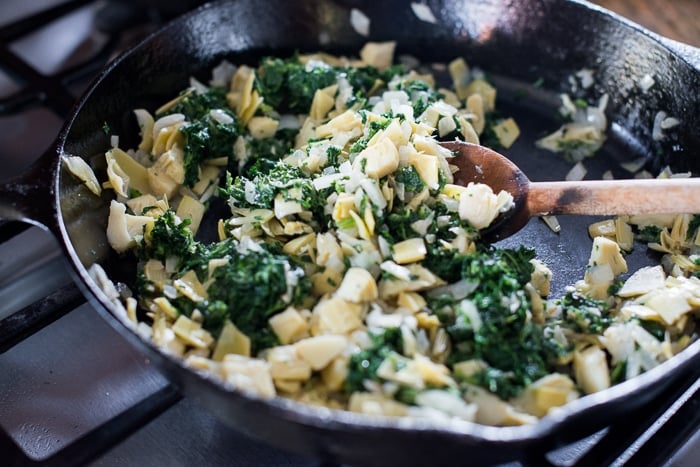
(676, 19)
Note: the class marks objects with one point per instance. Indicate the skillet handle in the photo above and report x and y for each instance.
(30, 196)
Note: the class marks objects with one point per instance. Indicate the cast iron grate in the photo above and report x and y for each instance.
(53, 92)
(648, 436)
(37, 88)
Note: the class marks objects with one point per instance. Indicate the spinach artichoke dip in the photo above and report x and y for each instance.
(350, 272)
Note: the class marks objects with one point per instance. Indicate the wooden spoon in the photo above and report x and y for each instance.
(591, 197)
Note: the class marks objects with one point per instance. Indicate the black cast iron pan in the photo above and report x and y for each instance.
(518, 42)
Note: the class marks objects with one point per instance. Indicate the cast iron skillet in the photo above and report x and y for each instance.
(518, 42)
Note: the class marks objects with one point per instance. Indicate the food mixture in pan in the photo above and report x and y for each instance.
(350, 272)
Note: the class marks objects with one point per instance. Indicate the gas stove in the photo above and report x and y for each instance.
(73, 391)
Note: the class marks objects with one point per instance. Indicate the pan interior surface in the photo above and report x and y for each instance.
(517, 43)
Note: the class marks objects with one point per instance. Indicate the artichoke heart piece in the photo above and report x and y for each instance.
(421, 279)
(154, 270)
(375, 404)
(541, 277)
(335, 315)
(124, 229)
(289, 325)
(262, 127)
(459, 72)
(411, 301)
(379, 159)
(644, 280)
(475, 106)
(480, 206)
(358, 286)
(248, 374)
(428, 168)
(506, 131)
(548, 392)
(78, 167)
(286, 365)
(487, 92)
(209, 176)
(190, 286)
(468, 132)
(145, 121)
(231, 341)
(335, 373)
(166, 131)
(284, 207)
(378, 54)
(345, 122)
(604, 228)
(494, 411)
(147, 205)
(190, 208)
(137, 173)
(344, 204)
(242, 96)
(318, 351)
(670, 303)
(191, 333)
(167, 174)
(606, 251)
(409, 251)
(591, 369)
(323, 102)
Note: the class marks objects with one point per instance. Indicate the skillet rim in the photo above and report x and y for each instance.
(332, 419)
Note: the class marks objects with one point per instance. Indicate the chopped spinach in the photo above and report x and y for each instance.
(248, 289)
(289, 86)
(408, 175)
(583, 314)
(363, 365)
(168, 238)
(374, 127)
(197, 105)
(207, 138)
(266, 179)
(513, 346)
(693, 226)
(254, 286)
(649, 234)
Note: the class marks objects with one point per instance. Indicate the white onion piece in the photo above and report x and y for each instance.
(359, 22)
(646, 82)
(635, 165)
(220, 116)
(577, 172)
(423, 12)
(373, 193)
(165, 122)
(221, 74)
(656, 131)
(669, 122)
(586, 77)
(457, 290)
(290, 122)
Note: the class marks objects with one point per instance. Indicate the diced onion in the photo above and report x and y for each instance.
(577, 172)
(646, 82)
(359, 22)
(423, 12)
(457, 290)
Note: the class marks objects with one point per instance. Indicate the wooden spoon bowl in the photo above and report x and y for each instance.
(591, 197)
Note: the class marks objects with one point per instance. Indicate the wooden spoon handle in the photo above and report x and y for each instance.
(608, 197)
